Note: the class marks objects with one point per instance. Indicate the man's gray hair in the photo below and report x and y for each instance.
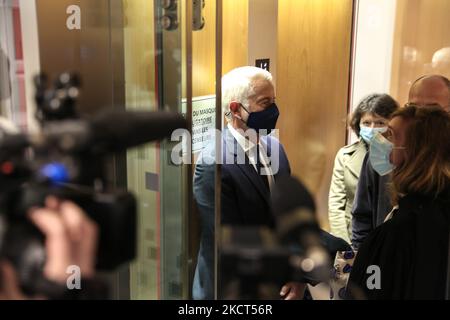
(238, 85)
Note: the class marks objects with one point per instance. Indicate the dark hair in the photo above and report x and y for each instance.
(426, 169)
(381, 104)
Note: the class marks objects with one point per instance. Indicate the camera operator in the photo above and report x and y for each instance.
(70, 240)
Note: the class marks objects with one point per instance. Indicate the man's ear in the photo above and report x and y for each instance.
(234, 109)
(234, 106)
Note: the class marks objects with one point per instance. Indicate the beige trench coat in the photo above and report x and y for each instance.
(347, 167)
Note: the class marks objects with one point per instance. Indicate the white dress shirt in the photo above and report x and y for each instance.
(248, 146)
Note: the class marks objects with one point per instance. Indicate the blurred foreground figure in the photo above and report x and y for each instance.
(71, 239)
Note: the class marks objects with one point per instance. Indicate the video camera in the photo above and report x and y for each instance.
(257, 261)
(66, 158)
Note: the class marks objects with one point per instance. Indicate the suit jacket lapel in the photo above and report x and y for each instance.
(231, 147)
(256, 180)
(268, 143)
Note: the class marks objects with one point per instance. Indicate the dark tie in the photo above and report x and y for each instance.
(260, 168)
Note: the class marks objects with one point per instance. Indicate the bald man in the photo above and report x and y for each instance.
(428, 90)
(372, 200)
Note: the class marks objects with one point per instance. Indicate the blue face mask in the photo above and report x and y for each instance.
(380, 150)
(367, 133)
(263, 120)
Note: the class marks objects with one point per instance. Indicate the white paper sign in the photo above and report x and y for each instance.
(203, 120)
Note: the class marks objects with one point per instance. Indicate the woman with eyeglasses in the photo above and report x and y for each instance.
(407, 256)
(371, 116)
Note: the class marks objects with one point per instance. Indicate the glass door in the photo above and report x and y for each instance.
(12, 79)
(170, 64)
(153, 52)
(134, 55)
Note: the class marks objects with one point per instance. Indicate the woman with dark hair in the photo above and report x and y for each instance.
(371, 116)
(407, 256)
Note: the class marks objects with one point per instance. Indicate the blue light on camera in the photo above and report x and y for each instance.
(57, 173)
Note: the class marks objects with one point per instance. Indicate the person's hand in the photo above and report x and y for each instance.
(70, 238)
(9, 284)
(293, 291)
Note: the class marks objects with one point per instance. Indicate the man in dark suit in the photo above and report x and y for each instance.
(251, 162)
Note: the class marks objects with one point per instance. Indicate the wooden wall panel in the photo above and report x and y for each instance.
(139, 46)
(86, 51)
(314, 40)
(235, 41)
(140, 80)
(235, 34)
(204, 54)
(422, 29)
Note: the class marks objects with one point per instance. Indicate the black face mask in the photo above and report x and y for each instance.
(263, 120)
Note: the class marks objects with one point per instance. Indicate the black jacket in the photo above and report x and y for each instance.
(372, 203)
(411, 250)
